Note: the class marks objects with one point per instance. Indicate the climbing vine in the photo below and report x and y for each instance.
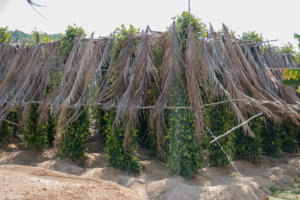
(116, 155)
(73, 142)
(35, 136)
(185, 154)
(7, 129)
(249, 147)
(272, 139)
(220, 120)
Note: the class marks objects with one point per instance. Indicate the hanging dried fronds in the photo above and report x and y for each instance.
(101, 72)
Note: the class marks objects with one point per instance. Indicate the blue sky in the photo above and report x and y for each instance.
(275, 19)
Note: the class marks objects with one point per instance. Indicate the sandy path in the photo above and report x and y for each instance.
(27, 174)
(22, 182)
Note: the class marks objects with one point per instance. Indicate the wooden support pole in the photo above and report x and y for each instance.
(10, 122)
(235, 128)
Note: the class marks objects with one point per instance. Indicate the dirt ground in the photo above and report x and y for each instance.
(30, 174)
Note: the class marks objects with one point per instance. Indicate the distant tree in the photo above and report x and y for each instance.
(26, 36)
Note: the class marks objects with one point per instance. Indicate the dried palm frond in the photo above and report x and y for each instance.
(171, 72)
(60, 93)
(78, 85)
(29, 74)
(118, 72)
(42, 80)
(195, 76)
(137, 92)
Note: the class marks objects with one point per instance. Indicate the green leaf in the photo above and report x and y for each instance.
(291, 82)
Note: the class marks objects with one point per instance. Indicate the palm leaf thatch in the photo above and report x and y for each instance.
(219, 65)
(171, 71)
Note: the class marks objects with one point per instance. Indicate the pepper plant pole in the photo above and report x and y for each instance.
(235, 128)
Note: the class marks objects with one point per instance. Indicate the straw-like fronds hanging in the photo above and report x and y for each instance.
(219, 65)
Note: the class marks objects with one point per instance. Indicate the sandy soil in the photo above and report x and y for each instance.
(29, 174)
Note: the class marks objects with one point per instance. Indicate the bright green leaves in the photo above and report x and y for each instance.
(38, 137)
(116, 156)
(291, 77)
(70, 34)
(185, 156)
(252, 36)
(248, 147)
(4, 34)
(73, 142)
(185, 19)
(220, 120)
(272, 139)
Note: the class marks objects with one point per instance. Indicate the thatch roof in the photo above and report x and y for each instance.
(219, 65)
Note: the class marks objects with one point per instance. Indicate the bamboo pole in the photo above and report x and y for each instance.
(234, 128)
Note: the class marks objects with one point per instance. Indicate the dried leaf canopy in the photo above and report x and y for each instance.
(219, 65)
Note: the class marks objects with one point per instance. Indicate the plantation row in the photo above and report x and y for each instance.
(160, 91)
(181, 154)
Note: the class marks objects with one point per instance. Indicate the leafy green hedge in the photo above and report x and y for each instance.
(248, 147)
(220, 120)
(185, 155)
(8, 129)
(38, 137)
(73, 142)
(116, 155)
(272, 140)
(289, 138)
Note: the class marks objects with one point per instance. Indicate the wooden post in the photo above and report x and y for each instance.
(37, 38)
(100, 128)
(95, 130)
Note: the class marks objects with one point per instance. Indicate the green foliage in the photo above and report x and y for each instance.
(43, 37)
(276, 190)
(248, 147)
(220, 120)
(291, 78)
(185, 19)
(8, 129)
(38, 137)
(122, 32)
(291, 82)
(28, 37)
(70, 34)
(252, 36)
(272, 140)
(289, 48)
(101, 119)
(150, 142)
(116, 155)
(185, 154)
(182, 23)
(73, 142)
(120, 35)
(4, 34)
(289, 143)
